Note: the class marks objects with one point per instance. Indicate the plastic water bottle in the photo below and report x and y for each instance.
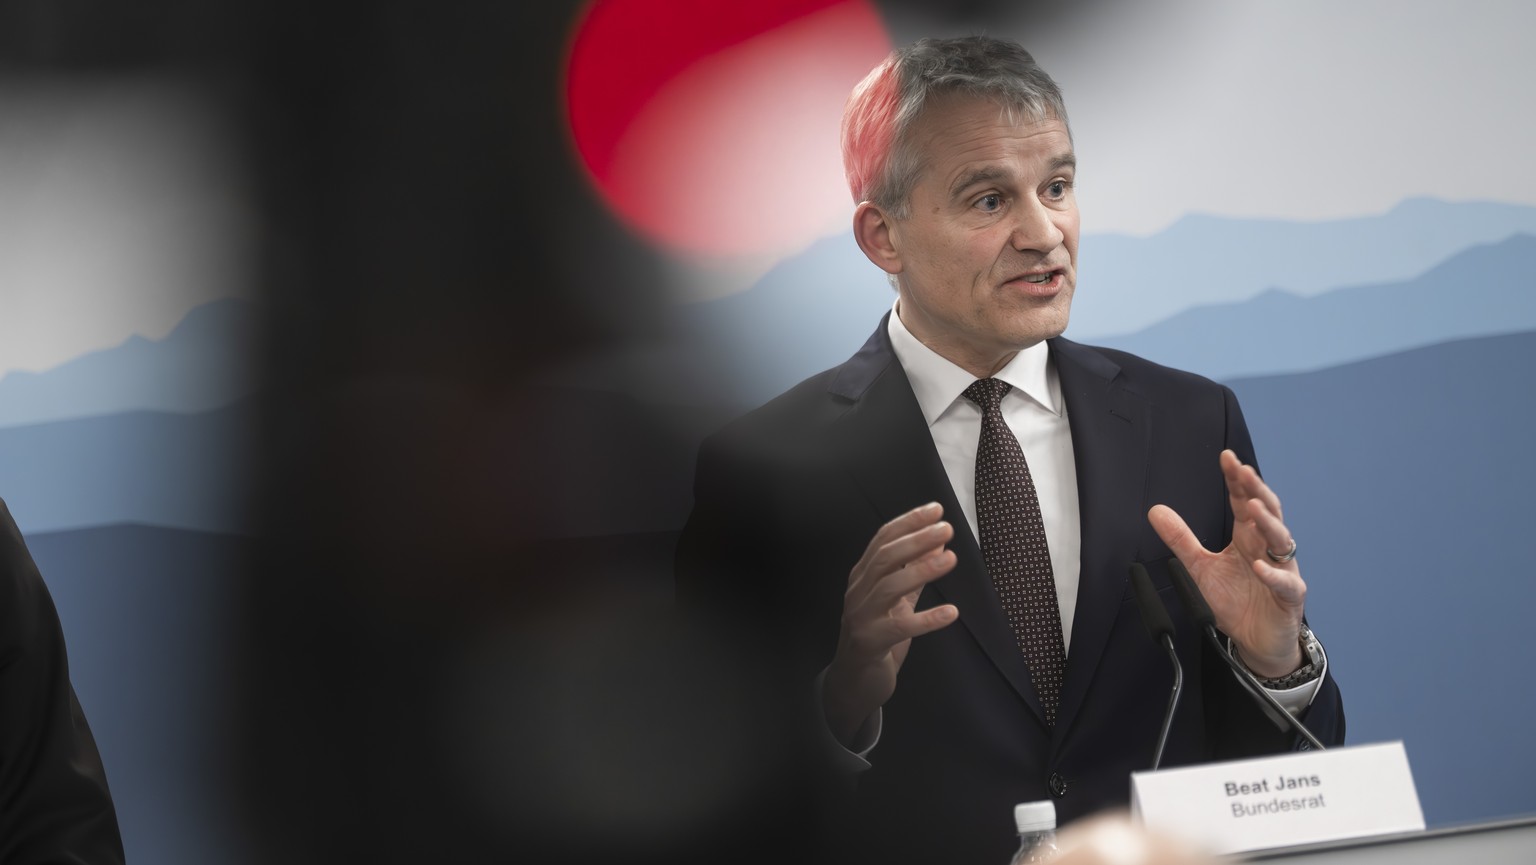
(1037, 832)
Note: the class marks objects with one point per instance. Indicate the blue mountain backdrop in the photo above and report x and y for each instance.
(1421, 273)
(1129, 283)
(155, 432)
(205, 362)
(186, 471)
(1488, 289)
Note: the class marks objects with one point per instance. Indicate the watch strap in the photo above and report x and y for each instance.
(1312, 667)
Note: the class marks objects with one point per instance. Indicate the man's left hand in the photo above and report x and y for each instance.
(1257, 601)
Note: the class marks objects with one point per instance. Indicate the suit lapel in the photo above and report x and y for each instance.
(885, 444)
(1110, 442)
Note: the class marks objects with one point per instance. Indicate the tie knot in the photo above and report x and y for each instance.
(987, 393)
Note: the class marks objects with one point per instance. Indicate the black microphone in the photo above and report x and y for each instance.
(1160, 628)
(1200, 611)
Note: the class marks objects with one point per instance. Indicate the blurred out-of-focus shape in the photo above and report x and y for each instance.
(711, 128)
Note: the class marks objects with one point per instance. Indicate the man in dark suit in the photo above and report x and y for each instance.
(969, 465)
(54, 802)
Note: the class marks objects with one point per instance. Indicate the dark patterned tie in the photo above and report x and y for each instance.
(1013, 545)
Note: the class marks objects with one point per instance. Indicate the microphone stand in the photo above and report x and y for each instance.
(1160, 628)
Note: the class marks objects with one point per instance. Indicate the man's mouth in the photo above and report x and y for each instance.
(1040, 283)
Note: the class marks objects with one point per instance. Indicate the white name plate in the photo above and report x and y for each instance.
(1301, 798)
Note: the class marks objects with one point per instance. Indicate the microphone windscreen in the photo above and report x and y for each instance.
(1153, 614)
(1194, 602)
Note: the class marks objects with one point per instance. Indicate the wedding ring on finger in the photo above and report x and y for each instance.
(1283, 557)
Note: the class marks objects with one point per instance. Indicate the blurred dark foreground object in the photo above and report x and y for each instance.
(449, 650)
(54, 801)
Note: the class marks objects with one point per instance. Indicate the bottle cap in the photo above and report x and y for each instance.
(1035, 816)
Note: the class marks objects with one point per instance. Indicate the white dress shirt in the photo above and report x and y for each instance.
(1037, 415)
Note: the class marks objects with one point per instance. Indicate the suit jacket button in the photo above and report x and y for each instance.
(1058, 785)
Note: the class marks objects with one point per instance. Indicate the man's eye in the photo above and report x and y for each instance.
(990, 203)
(1057, 189)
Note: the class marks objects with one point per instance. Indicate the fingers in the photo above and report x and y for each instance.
(904, 554)
(1244, 483)
(1272, 532)
(1176, 534)
(1254, 503)
(909, 522)
(879, 635)
(879, 619)
(905, 582)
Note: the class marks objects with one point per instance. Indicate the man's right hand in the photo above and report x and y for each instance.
(879, 616)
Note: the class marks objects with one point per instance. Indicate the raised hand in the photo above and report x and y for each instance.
(1258, 599)
(880, 617)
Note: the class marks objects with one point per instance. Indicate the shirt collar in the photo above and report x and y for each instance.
(938, 382)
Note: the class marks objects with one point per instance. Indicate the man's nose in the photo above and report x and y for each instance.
(1035, 228)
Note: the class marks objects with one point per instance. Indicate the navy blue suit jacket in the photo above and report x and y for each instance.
(787, 497)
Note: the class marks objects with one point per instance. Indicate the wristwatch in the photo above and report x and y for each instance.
(1312, 668)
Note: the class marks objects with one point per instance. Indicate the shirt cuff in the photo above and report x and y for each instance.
(850, 760)
(1294, 700)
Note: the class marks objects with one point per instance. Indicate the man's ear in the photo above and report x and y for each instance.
(877, 235)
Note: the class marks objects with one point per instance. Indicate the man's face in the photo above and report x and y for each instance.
(988, 253)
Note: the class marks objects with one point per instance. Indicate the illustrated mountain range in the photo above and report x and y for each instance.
(1487, 289)
(204, 363)
(154, 431)
(151, 431)
(1206, 294)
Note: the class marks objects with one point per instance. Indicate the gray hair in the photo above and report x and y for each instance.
(879, 160)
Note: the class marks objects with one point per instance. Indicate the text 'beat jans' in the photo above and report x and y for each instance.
(1276, 804)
